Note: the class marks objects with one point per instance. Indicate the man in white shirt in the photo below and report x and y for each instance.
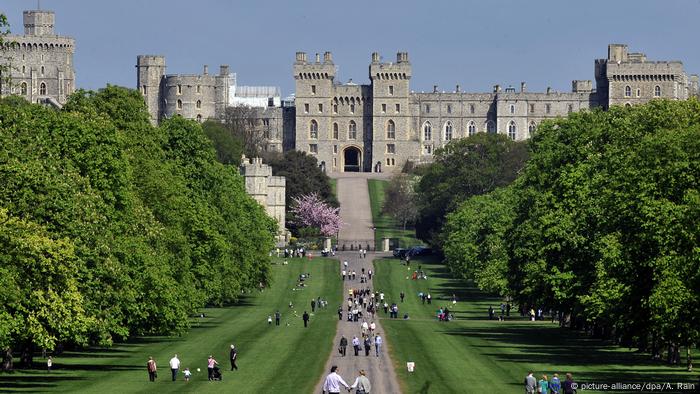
(333, 382)
(174, 366)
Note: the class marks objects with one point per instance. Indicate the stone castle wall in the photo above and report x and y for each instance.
(268, 190)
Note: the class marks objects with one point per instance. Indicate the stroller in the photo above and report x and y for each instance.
(216, 374)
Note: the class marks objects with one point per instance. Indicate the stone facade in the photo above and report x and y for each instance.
(381, 126)
(40, 62)
(269, 191)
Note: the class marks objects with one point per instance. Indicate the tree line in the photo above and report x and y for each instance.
(110, 227)
(600, 223)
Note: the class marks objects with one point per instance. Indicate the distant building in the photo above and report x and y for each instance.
(382, 125)
(40, 61)
(269, 191)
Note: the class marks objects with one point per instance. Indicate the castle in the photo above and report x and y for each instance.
(268, 191)
(380, 126)
(40, 62)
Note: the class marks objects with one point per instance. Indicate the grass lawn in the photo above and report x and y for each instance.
(271, 359)
(386, 226)
(473, 354)
(334, 187)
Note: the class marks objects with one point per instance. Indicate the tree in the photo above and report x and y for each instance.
(605, 226)
(309, 210)
(4, 68)
(400, 201)
(229, 148)
(303, 176)
(243, 123)
(474, 243)
(463, 168)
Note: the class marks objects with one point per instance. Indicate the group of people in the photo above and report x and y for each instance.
(549, 386)
(365, 277)
(213, 370)
(333, 383)
(294, 252)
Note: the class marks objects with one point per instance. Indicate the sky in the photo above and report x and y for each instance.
(475, 44)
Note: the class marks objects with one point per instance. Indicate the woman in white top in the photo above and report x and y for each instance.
(362, 384)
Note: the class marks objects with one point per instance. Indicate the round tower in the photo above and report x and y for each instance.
(150, 70)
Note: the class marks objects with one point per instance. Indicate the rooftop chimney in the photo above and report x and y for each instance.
(458, 89)
(206, 70)
(523, 87)
(435, 88)
(375, 57)
(327, 57)
(318, 58)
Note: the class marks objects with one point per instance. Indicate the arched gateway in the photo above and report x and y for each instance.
(352, 159)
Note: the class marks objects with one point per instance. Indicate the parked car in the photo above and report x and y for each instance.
(419, 251)
(400, 253)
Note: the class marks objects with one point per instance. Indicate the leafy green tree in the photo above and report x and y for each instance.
(463, 168)
(229, 148)
(303, 176)
(606, 222)
(474, 239)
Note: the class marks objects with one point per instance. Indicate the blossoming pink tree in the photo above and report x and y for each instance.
(311, 211)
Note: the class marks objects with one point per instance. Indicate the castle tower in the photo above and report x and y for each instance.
(41, 62)
(150, 70)
(314, 91)
(268, 191)
(391, 119)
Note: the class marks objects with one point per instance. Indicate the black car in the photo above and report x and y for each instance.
(400, 253)
(419, 251)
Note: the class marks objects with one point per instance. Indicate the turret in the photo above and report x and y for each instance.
(39, 23)
(150, 70)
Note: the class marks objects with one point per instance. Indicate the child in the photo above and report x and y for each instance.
(188, 374)
(269, 320)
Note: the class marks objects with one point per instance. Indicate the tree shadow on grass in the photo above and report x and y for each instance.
(34, 382)
(533, 345)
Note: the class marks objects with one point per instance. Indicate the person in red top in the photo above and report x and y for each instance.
(152, 369)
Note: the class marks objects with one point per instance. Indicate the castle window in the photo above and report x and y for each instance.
(199, 104)
(531, 127)
(490, 126)
(391, 90)
(320, 107)
(179, 104)
(511, 130)
(335, 108)
(390, 149)
(639, 92)
(383, 108)
(398, 108)
(449, 108)
(428, 149)
(391, 130)
(313, 89)
(199, 118)
(42, 70)
(144, 90)
(179, 89)
(24, 69)
(532, 108)
(657, 91)
(335, 131)
(42, 89)
(512, 109)
(352, 108)
(471, 129)
(306, 108)
(313, 130)
(628, 91)
(335, 149)
(199, 89)
(23, 88)
(352, 130)
(471, 108)
(313, 148)
(335, 162)
(448, 131)
(427, 108)
(570, 108)
(548, 108)
(427, 131)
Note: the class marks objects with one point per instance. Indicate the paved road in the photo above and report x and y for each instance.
(355, 211)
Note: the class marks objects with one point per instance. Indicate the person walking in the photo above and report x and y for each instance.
(278, 315)
(174, 366)
(234, 356)
(344, 273)
(313, 305)
(362, 384)
(211, 364)
(377, 344)
(430, 298)
(530, 383)
(343, 345)
(333, 382)
(402, 295)
(369, 273)
(152, 369)
(368, 345)
(372, 327)
(49, 364)
(340, 313)
(356, 346)
(305, 317)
